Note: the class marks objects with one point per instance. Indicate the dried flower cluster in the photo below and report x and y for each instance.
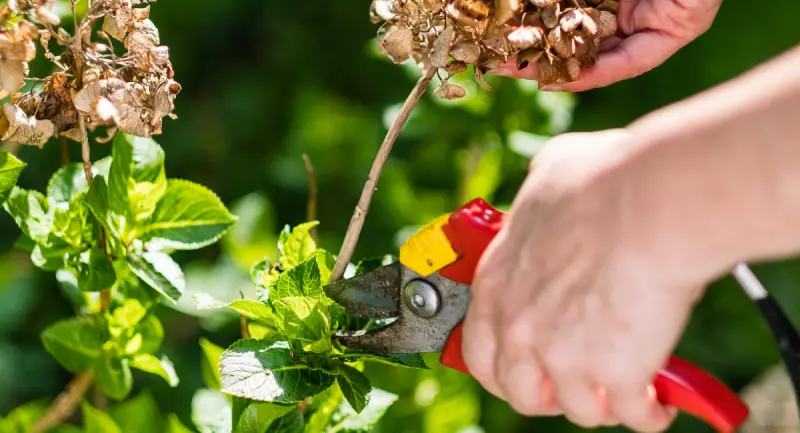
(560, 36)
(130, 91)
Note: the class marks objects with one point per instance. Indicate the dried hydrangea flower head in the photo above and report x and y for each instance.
(559, 36)
(127, 87)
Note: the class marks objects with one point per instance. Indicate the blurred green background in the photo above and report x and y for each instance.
(264, 82)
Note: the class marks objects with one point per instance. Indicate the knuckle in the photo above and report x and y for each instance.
(521, 381)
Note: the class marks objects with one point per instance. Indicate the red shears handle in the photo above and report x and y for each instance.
(679, 384)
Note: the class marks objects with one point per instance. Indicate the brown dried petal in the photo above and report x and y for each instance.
(525, 37)
(495, 40)
(456, 67)
(550, 15)
(551, 71)
(504, 10)
(607, 24)
(527, 57)
(589, 23)
(480, 78)
(382, 10)
(543, 3)
(609, 6)
(450, 91)
(467, 52)
(397, 43)
(561, 42)
(16, 126)
(114, 27)
(86, 99)
(570, 21)
(143, 37)
(12, 76)
(441, 47)
(492, 62)
(573, 68)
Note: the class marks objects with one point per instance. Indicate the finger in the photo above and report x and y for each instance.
(579, 398)
(628, 59)
(479, 347)
(524, 383)
(637, 408)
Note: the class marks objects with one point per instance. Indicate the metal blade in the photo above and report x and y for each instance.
(375, 294)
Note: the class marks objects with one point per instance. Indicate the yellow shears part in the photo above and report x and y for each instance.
(428, 250)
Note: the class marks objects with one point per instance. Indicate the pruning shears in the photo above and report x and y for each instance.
(427, 292)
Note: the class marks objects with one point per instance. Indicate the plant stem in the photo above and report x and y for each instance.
(64, 151)
(311, 208)
(85, 151)
(64, 406)
(357, 221)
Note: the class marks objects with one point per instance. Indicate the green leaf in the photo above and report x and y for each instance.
(258, 370)
(96, 272)
(139, 414)
(292, 422)
(305, 320)
(10, 169)
(74, 343)
(249, 308)
(410, 360)
(69, 284)
(296, 245)
(70, 228)
(355, 387)
(113, 375)
(162, 367)
(188, 217)
(159, 271)
(152, 334)
(136, 179)
(211, 411)
(23, 417)
(97, 421)
(253, 417)
(127, 315)
(30, 211)
(68, 181)
(347, 420)
(210, 363)
(174, 425)
(302, 280)
(322, 407)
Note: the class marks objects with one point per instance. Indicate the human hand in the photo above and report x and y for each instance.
(651, 32)
(573, 309)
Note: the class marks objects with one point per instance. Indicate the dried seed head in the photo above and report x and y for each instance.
(455, 67)
(526, 37)
(480, 78)
(543, 3)
(562, 42)
(450, 91)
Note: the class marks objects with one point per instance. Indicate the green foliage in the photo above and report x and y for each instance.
(10, 169)
(295, 361)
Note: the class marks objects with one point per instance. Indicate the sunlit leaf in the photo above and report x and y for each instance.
(264, 371)
(345, 419)
(10, 169)
(211, 411)
(210, 363)
(96, 272)
(254, 417)
(188, 217)
(296, 245)
(159, 271)
(162, 367)
(355, 387)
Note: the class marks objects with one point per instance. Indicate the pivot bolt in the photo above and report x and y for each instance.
(422, 298)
